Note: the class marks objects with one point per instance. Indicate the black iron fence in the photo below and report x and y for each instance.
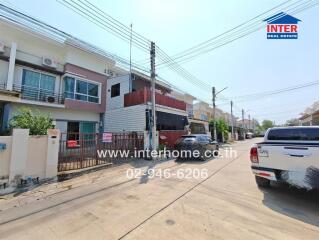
(83, 150)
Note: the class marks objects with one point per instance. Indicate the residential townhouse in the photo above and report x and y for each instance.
(53, 73)
(188, 99)
(128, 108)
(310, 117)
(200, 118)
(202, 111)
(197, 113)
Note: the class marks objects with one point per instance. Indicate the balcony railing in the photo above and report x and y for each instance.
(3, 86)
(144, 96)
(37, 94)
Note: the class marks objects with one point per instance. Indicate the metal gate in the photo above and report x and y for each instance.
(83, 150)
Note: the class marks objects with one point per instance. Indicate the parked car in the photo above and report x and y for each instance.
(198, 142)
(249, 135)
(261, 134)
(287, 154)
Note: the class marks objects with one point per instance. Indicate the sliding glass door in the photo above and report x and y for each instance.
(37, 86)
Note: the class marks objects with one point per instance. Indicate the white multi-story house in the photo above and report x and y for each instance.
(55, 73)
(128, 107)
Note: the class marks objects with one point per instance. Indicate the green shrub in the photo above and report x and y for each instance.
(36, 122)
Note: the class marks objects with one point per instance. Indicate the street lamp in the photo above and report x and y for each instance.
(214, 109)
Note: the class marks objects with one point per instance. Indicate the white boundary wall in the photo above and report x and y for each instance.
(26, 157)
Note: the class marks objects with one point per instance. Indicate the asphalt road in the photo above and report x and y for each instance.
(225, 204)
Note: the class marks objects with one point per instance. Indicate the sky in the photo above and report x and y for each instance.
(249, 65)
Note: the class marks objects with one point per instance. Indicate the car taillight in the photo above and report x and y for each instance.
(254, 155)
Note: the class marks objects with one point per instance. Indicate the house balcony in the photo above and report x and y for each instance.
(37, 94)
(144, 95)
(8, 95)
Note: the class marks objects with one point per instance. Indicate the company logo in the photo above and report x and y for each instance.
(282, 26)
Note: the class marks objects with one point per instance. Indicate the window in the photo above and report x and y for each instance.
(115, 90)
(167, 121)
(36, 85)
(81, 90)
(197, 128)
(294, 134)
(69, 87)
(202, 138)
(203, 117)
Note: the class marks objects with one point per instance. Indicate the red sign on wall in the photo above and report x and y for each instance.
(107, 137)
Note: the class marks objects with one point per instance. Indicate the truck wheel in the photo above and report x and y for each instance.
(262, 182)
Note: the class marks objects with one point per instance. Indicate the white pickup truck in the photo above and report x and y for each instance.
(288, 154)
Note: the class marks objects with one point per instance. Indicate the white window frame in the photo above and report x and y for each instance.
(83, 80)
(41, 73)
(37, 71)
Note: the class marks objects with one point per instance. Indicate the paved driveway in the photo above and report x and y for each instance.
(225, 204)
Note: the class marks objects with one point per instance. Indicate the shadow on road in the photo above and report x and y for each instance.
(193, 161)
(296, 203)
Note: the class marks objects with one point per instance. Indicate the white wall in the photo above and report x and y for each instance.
(4, 66)
(33, 47)
(168, 110)
(5, 156)
(59, 114)
(37, 146)
(28, 156)
(125, 119)
(27, 43)
(117, 102)
(62, 126)
(88, 61)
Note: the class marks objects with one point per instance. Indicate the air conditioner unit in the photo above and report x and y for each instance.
(49, 62)
(2, 47)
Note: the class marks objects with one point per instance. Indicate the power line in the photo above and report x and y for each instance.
(232, 37)
(245, 34)
(118, 23)
(45, 29)
(162, 55)
(103, 23)
(200, 48)
(255, 96)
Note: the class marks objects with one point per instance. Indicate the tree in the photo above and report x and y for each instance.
(221, 127)
(267, 124)
(292, 122)
(37, 123)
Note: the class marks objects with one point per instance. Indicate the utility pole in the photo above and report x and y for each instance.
(130, 82)
(214, 109)
(232, 120)
(153, 130)
(248, 122)
(214, 113)
(243, 119)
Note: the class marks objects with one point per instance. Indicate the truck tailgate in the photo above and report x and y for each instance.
(288, 156)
